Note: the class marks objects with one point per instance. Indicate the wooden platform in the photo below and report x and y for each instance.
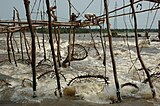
(14, 26)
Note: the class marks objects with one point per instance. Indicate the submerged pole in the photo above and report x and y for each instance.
(111, 52)
(26, 3)
(52, 47)
(138, 51)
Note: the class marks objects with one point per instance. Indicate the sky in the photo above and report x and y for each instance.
(82, 7)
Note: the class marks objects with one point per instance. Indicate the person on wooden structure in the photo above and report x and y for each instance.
(52, 11)
(74, 17)
(89, 16)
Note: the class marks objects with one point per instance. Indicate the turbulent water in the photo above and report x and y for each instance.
(16, 82)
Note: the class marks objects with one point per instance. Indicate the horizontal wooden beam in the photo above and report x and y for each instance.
(13, 28)
(7, 25)
(45, 23)
(156, 1)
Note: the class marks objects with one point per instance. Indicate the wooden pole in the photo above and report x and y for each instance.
(52, 47)
(44, 49)
(156, 1)
(74, 37)
(159, 29)
(138, 51)
(26, 3)
(58, 47)
(94, 44)
(22, 30)
(25, 42)
(21, 43)
(37, 39)
(111, 52)
(123, 14)
(104, 50)
(69, 41)
(8, 47)
(14, 26)
(13, 49)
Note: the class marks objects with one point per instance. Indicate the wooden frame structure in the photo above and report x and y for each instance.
(15, 26)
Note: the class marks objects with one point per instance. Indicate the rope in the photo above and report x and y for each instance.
(33, 6)
(38, 9)
(101, 8)
(153, 19)
(87, 6)
(130, 56)
(124, 16)
(73, 6)
(130, 20)
(118, 9)
(148, 15)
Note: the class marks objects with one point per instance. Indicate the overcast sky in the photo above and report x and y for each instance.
(6, 9)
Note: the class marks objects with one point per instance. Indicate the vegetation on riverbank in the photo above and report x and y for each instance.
(95, 30)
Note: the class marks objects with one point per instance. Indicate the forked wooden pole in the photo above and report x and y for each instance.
(26, 3)
(14, 26)
(111, 52)
(138, 51)
(52, 47)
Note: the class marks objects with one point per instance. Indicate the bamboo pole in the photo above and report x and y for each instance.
(69, 47)
(74, 37)
(26, 3)
(58, 47)
(25, 42)
(55, 33)
(44, 49)
(37, 39)
(8, 47)
(13, 36)
(159, 29)
(156, 1)
(22, 30)
(16, 44)
(111, 52)
(18, 16)
(138, 51)
(21, 43)
(13, 49)
(94, 44)
(135, 12)
(104, 50)
(52, 47)
(70, 32)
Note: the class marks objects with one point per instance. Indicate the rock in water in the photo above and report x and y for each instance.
(69, 91)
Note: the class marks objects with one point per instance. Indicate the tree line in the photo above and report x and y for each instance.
(95, 30)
